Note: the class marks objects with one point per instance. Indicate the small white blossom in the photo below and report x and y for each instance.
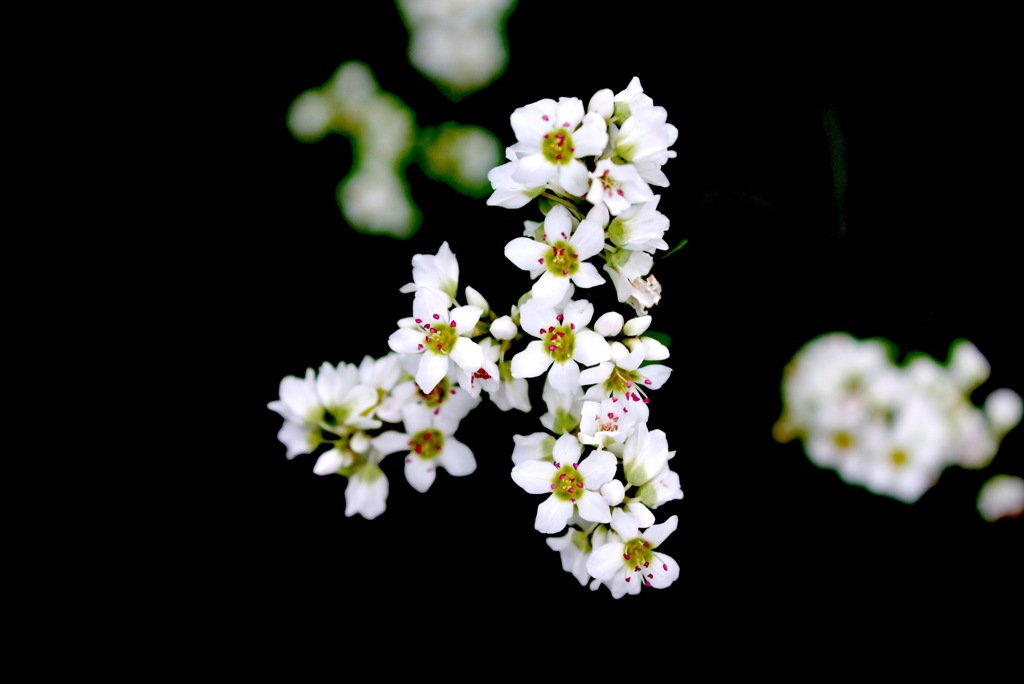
(429, 443)
(552, 137)
(438, 335)
(572, 484)
(631, 560)
(1002, 496)
(617, 186)
(438, 271)
(559, 257)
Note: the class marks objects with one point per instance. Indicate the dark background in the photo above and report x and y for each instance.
(918, 253)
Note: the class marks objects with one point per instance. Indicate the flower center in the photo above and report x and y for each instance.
(621, 381)
(560, 342)
(440, 337)
(427, 444)
(609, 184)
(638, 555)
(568, 483)
(440, 394)
(557, 146)
(562, 261)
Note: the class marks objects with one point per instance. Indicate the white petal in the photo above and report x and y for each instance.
(367, 496)
(596, 374)
(574, 177)
(635, 327)
(535, 477)
(591, 348)
(419, 472)
(534, 170)
(535, 320)
(557, 222)
(564, 377)
(567, 449)
(552, 515)
(606, 560)
(592, 506)
(429, 302)
(465, 317)
(431, 369)
(467, 354)
(532, 361)
(657, 374)
(526, 253)
(591, 138)
(597, 469)
(550, 289)
(664, 576)
(587, 276)
(457, 458)
(328, 463)
(390, 442)
(656, 534)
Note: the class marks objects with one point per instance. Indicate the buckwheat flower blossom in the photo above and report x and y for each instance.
(630, 560)
(617, 186)
(367, 490)
(574, 549)
(537, 446)
(448, 398)
(507, 192)
(564, 342)
(643, 140)
(572, 484)
(607, 424)
(641, 227)
(429, 444)
(332, 400)
(1000, 497)
(495, 378)
(559, 257)
(563, 409)
(624, 378)
(438, 271)
(552, 137)
(438, 336)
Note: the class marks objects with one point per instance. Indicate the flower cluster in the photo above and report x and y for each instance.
(891, 428)
(601, 469)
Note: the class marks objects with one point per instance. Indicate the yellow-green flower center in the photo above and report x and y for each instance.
(439, 336)
(567, 484)
(557, 147)
(560, 342)
(427, 444)
(561, 260)
(621, 381)
(437, 397)
(638, 553)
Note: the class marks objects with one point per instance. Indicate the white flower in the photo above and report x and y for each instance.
(564, 342)
(429, 443)
(563, 410)
(367, 489)
(631, 561)
(1002, 496)
(495, 378)
(644, 137)
(559, 257)
(1003, 409)
(607, 424)
(504, 328)
(552, 137)
(645, 455)
(574, 549)
(438, 271)
(509, 193)
(538, 446)
(572, 485)
(332, 400)
(640, 227)
(438, 335)
(623, 376)
(618, 186)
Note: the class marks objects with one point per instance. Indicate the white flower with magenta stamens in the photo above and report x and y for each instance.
(564, 342)
(618, 186)
(438, 335)
(573, 485)
(631, 562)
(559, 256)
(439, 271)
(429, 443)
(552, 137)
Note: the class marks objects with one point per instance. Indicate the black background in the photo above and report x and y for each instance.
(918, 253)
